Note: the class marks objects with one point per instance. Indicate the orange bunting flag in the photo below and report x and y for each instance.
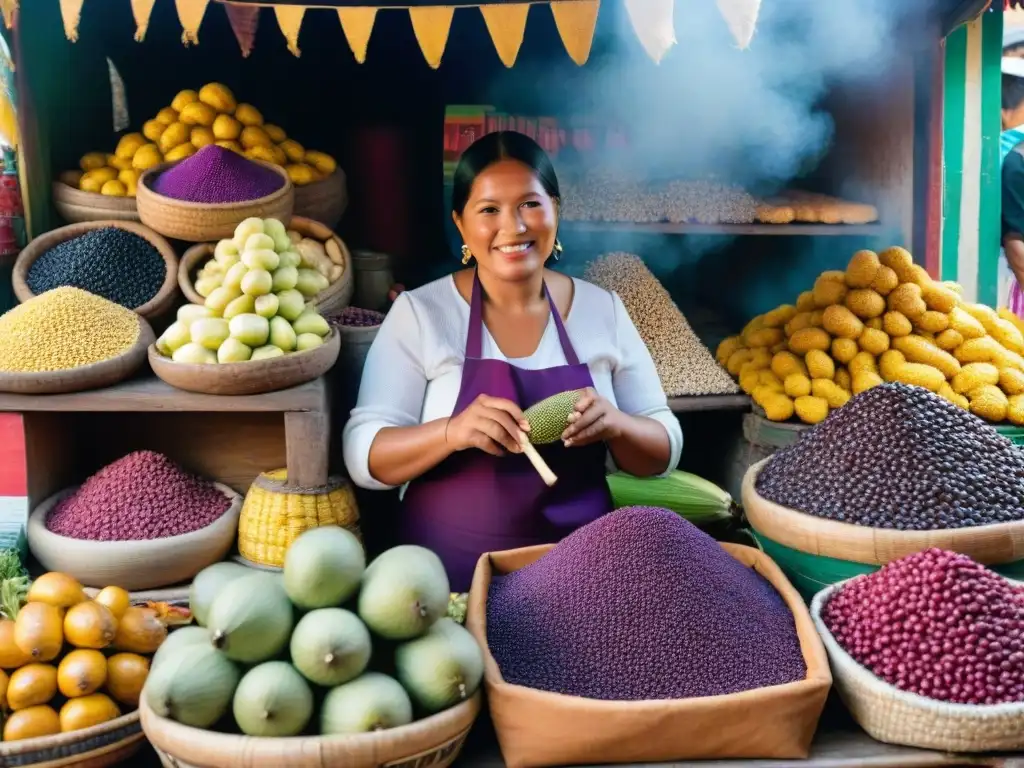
(357, 24)
(507, 24)
(289, 19)
(432, 25)
(576, 21)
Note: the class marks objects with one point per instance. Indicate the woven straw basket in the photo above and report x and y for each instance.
(899, 717)
(434, 741)
(76, 205)
(202, 222)
(323, 200)
(988, 544)
(155, 307)
(100, 746)
(275, 514)
(334, 298)
(133, 565)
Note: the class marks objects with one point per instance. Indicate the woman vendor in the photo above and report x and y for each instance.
(458, 360)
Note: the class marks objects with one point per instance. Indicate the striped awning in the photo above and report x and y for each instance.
(652, 21)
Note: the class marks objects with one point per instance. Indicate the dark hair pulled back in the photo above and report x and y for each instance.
(493, 147)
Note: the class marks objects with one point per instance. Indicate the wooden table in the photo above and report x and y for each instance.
(226, 438)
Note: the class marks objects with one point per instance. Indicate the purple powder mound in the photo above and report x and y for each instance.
(641, 604)
(217, 175)
(144, 495)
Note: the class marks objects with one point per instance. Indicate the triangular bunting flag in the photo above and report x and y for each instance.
(357, 24)
(118, 98)
(142, 10)
(741, 17)
(432, 25)
(244, 21)
(289, 19)
(190, 14)
(507, 24)
(576, 21)
(10, 11)
(654, 26)
(71, 12)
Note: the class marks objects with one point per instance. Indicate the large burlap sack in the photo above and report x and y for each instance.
(538, 728)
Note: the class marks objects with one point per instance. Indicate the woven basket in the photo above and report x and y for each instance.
(332, 299)
(161, 303)
(988, 544)
(93, 376)
(202, 222)
(133, 565)
(434, 741)
(275, 514)
(898, 717)
(323, 200)
(100, 746)
(76, 205)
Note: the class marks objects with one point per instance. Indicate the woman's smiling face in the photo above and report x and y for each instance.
(509, 222)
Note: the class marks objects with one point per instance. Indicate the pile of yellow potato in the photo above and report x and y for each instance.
(195, 119)
(883, 319)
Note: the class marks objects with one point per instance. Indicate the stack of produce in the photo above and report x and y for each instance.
(900, 457)
(883, 319)
(685, 366)
(258, 309)
(72, 662)
(197, 119)
(640, 605)
(390, 655)
(142, 496)
(63, 329)
(217, 175)
(698, 500)
(812, 208)
(110, 262)
(937, 624)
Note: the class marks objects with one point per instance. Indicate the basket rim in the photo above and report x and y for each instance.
(26, 746)
(36, 527)
(156, 197)
(332, 339)
(40, 245)
(846, 665)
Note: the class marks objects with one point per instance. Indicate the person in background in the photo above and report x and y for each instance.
(457, 361)
(1011, 143)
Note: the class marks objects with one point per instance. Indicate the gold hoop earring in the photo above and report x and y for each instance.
(557, 250)
(466, 254)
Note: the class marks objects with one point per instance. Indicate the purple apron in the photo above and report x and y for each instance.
(474, 502)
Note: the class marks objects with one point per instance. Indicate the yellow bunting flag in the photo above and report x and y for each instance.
(432, 25)
(653, 24)
(190, 14)
(507, 25)
(357, 24)
(576, 21)
(741, 17)
(289, 19)
(142, 10)
(10, 11)
(71, 12)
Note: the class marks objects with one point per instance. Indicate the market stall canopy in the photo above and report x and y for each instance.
(652, 21)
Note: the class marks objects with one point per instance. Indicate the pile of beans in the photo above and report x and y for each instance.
(641, 604)
(144, 495)
(110, 262)
(900, 457)
(63, 329)
(217, 175)
(937, 624)
(354, 317)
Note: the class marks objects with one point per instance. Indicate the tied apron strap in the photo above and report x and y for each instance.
(474, 336)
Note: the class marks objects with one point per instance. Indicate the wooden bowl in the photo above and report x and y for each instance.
(93, 376)
(75, 205)
(202, 222)
(156, 306)
(102, 745)
(133, 565)
(434, 741)
(334, 298)
(988, 544)
(250, 377)
(323, 200)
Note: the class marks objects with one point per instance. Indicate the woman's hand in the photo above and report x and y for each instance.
(593, 420)
(491, 424)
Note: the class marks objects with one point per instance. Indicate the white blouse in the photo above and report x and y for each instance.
(413, 370)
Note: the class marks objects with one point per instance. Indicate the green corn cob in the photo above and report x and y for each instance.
(692, 497)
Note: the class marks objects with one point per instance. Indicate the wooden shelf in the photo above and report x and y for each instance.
(693, 403)
(784, 230)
